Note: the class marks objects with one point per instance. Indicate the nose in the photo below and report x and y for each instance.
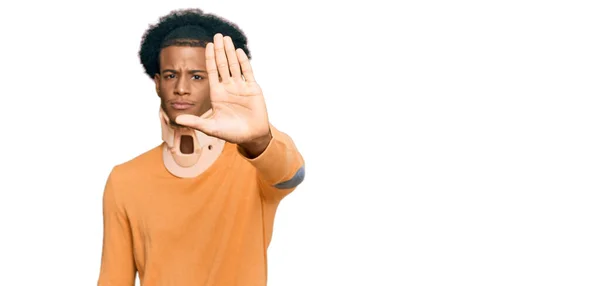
(182, 87)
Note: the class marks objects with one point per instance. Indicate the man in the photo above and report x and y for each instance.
(199, 208)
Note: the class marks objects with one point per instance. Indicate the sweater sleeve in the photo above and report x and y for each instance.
(280, 168)
(117, 263)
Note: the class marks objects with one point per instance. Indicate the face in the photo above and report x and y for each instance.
(182, 83)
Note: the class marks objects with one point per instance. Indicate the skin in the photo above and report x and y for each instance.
(183, 77)
(225, 101)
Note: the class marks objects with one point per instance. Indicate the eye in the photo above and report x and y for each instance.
(197, 77)
(170, 76)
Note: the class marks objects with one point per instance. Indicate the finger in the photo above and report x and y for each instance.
(209, 113)
(245, 64)
(222, 64)
(211, 65)
(234, 64)
(204, 125)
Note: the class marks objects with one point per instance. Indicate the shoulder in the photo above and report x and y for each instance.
(139, 167)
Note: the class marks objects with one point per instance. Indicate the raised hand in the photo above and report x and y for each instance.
(239, 113)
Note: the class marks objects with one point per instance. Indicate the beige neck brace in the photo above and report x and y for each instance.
(206, 150)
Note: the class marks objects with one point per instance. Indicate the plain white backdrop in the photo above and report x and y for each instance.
(447, 142)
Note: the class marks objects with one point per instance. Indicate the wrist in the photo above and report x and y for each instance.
(257, 146)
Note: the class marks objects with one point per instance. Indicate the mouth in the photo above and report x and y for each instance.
(181, 105)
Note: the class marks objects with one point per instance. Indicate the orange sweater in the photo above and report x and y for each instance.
(210, 230)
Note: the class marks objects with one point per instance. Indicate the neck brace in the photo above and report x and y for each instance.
(206, 150)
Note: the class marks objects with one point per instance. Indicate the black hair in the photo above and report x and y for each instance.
(185, 27)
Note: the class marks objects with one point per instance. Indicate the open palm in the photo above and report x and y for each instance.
(238, 113)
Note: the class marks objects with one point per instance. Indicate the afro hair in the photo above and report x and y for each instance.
(185, 27)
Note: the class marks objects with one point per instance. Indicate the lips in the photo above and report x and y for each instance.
(181, 105)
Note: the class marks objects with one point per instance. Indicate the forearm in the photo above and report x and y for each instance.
(277, 160)
(256, 147)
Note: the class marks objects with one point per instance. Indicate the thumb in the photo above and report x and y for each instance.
(204, 125)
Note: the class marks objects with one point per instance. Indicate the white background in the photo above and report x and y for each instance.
(447, 142)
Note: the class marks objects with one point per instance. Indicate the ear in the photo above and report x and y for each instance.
(157, 83)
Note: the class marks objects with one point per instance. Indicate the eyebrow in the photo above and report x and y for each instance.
(190, 71)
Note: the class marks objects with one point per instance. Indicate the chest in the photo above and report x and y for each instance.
(176, 211)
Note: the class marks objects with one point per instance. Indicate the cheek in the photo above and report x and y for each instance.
(164, 90)
(202, 90)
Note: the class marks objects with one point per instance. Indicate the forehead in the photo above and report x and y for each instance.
(182, 56)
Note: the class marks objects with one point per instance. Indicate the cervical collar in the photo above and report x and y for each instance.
(206, 150)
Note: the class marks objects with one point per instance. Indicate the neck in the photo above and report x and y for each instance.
(186, 146)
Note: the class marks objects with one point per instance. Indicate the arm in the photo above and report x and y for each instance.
(117, 264)
(279, 164)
